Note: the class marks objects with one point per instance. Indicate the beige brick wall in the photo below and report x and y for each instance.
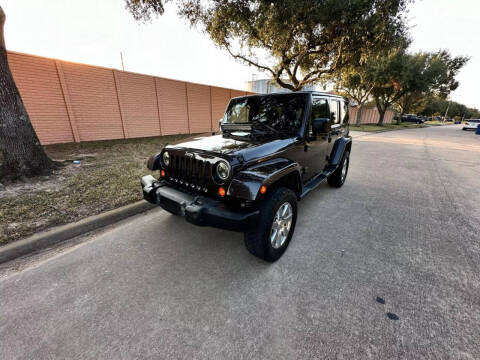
(94, 100)
(199, 108)
(38, 82)
(139, 104)
(70, 102)
(220, 99)
(172, 100)
(370, 116)
(75, 102)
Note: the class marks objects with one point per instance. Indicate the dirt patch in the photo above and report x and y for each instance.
(94, 177)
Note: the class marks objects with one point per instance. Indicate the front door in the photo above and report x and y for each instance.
(316, 146)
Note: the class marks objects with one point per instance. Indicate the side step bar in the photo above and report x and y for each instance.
(316, 181)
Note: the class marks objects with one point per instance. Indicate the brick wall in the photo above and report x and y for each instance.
(39, 84)
(370, 116)
(70, 102)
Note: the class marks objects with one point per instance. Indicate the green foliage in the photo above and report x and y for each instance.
(428, 74)
(436, 106)
(386, 72)
(407, 79)
(302, 41)
(298, 42)
(359, 44)
(145, 9)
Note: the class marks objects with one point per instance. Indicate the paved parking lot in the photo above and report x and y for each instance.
(387, 267)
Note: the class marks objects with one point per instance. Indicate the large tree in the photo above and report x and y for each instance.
(387, 71)
(23, 156)
(297, 42)
(434, 105)
(355, 83)
(428, 74)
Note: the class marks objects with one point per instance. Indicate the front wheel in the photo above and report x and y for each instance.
(278, 216)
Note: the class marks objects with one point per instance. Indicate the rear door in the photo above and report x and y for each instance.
(339, 117)
(335, 116)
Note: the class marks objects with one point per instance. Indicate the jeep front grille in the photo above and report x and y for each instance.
(190, 172)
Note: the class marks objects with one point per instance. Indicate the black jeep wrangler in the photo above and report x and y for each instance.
(274, 149)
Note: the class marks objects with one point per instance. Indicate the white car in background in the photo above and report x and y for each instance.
(471, 124)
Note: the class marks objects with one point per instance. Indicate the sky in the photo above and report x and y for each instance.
(95, 32)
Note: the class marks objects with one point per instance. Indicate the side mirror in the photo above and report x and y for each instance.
(321, 126)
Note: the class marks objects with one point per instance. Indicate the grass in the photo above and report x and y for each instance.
(438, 123)
(108, 177)
(385, 127)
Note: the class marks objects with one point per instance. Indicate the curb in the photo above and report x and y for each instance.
(58, 234)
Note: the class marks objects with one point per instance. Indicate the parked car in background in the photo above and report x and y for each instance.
(413, 118)
(471, 124)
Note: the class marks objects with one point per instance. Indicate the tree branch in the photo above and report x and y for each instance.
(248, 61)
(284, 84)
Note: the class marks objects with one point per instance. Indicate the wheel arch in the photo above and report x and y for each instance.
(276, 172)
(341, 145)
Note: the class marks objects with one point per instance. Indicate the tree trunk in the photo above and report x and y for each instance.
(23, 156)
(358, 122)
(382, 116)
(381, 112)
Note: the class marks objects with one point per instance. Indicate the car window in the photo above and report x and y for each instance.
(344, 109)
(335, 111)
(319, 111)
(239, 112)
(283, 112)
(319, 108)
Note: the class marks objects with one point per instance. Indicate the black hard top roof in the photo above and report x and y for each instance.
(296, 92)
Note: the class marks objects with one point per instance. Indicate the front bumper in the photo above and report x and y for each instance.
(197, 209)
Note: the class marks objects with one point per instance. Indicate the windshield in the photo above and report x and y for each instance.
(282, 113)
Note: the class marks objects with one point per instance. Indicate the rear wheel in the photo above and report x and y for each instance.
(278, 216)
(338, 177)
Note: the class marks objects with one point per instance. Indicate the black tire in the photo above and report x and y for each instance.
(257, 240)
(337, 179)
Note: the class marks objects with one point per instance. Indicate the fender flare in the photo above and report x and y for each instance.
(246, 184)
(339, 148)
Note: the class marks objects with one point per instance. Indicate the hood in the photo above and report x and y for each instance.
(246, 149)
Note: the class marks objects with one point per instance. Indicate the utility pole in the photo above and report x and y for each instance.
(446, 112)
(121, 58)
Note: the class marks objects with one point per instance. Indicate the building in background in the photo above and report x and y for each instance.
(268, 86)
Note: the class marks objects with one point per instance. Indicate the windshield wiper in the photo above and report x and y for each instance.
(265, 126)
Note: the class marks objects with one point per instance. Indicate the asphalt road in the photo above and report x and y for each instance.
(387, 267)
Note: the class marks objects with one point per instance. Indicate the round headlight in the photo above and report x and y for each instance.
(223, 170)
(166, 158)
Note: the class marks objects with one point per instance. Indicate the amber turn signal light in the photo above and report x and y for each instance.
(263, 189)
(221, 191)
(162, 173)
